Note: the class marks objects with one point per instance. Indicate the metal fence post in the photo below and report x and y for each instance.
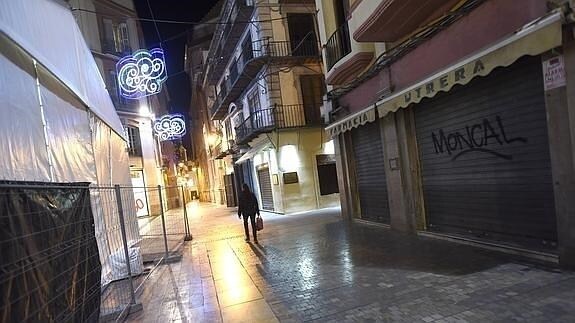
(163, 223)
(125, 242)
(188, 236)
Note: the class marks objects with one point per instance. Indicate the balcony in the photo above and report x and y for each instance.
(391, 20)
(252, 59)
(344, 61)
(337, 46)
(277, 118)
(217, 151)
(239, 18)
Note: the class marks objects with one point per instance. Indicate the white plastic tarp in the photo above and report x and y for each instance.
(101, 147)
(112, 167)
(47, 30)
(70, 132)
(69, 140)
(22, 144)
(120, 161)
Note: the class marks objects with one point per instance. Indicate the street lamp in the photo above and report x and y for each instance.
(212, 139)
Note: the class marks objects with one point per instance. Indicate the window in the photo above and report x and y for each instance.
(254, 100)
(121, 38)
(238, 119)
(312, 91)
(247, 50)
(134, 143)
(108, 39)
(116, 37)
(228, 130)
(341, 9)
(233, 72)
(260, 118)
(303, 41)
(327, 174)
(240, 125)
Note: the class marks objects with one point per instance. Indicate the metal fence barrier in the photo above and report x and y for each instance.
(79, 253)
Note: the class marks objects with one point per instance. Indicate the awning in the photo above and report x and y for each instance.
(533, 39)
(352, 121)
(254, 150)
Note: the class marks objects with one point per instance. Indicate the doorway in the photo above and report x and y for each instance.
(303, 41)
(312, 91)
(264, 180)
(229, 182)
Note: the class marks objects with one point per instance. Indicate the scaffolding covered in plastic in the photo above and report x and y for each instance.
(58, 123)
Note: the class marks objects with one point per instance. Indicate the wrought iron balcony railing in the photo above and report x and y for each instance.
(277, 117)
(110, 47)
(236, 16)
(253, 57)
(337, 46)
(307, 47)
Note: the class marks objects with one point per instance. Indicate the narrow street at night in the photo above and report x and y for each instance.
(287, 161)
(315, 267)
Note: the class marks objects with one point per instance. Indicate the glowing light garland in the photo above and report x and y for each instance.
(142, 73)
(170, 127)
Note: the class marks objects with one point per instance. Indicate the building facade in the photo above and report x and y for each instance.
(455, 118)
(112, 31)
(264, 87)
(202, 130)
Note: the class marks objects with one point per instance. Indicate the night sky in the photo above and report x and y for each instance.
(173, 40)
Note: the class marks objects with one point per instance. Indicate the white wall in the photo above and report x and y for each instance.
(296, 152)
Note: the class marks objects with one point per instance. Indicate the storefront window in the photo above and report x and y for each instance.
(327, 174)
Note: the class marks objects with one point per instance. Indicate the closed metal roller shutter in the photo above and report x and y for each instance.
(230, 190)
(485, 157)
(370, 173)
(264, 180)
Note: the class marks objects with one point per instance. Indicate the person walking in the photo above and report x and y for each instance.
(248, 208)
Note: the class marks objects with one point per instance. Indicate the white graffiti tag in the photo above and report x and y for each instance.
(142, 73)
(169, 127)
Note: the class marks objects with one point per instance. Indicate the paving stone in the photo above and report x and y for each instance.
(315, 267)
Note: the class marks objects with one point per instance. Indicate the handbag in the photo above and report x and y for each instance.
(259, 223)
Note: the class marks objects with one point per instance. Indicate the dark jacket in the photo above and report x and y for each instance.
(248, 204)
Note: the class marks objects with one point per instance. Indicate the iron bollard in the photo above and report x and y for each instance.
(188, 236)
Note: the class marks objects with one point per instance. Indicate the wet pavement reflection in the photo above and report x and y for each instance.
(315, 267)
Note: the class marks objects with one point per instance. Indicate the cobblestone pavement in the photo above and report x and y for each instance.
(315, 267)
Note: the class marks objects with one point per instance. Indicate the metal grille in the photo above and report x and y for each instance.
(73, 252)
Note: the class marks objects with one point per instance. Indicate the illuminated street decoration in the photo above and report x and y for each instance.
(142, 73)
(170, 126)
